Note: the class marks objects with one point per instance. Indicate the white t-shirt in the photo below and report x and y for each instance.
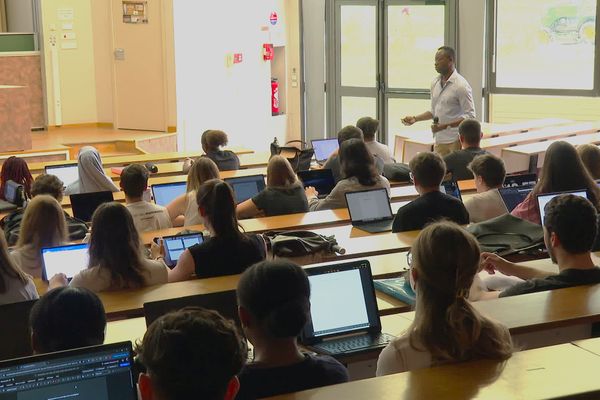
(380, 150)
(98, 280)
(148, 216)
(484, 206)
(399, 356)
(17, 291)
(191, 216)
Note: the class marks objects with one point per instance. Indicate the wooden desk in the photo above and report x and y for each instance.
(552, 372)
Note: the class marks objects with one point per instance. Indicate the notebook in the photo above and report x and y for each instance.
(68, 259)
(85, 204)
(246, 187)
(15, 337)
(370, 210)
(67, 173)
(513, 196)
(321, 179)
(520, 180)
(98, 373)
(176, 244)
(451, 189)
(344, 318)
(225, 303)
(543, 199)
(324, 148)
(398, 288)
(165, 193)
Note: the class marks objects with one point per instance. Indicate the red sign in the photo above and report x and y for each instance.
(267, 51)
(238, 58)
(273, 18)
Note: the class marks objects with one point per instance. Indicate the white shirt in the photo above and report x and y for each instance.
(149, 216)
(399, 356)
(451, 102)
(380, 150)
(17, 291)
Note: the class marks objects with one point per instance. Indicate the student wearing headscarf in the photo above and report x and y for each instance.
(91, 174)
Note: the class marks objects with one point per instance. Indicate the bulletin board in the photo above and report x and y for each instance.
(135, 12)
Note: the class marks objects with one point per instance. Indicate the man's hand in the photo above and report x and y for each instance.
(409, 120)
(435, 128)
(492, 262)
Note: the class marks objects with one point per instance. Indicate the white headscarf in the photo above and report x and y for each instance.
(91, 174)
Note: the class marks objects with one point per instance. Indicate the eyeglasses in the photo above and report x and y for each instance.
(411, 177)
(409, 258)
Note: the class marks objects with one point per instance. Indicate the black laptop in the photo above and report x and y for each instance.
(175, 245)
(344, 318)
(520, 180)
(98, 373)
(513, 196)
(370, 210)
(321, 179)
(15, 335)
(165, 193)
(451, 189)
(85, 204)
(246, 187)
(67, 259)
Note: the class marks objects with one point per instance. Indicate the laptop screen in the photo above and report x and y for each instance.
(85, 204)
(520, 180)
(67, 173)
(451, 189)
(246, 187)
(165, 193)
(175, 245)
(68, 260)
(321, 179)
(99, 373)
(544, 199)
(324, 148)
(369, 205)
(513, 196)
(352, 309)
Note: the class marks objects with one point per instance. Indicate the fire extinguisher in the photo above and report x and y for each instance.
(274, 96)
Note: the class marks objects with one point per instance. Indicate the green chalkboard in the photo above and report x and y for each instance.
(17, 42)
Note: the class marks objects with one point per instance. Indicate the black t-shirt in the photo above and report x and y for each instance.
(281, 200)
(428, 208)
(566, 278)
(313, 372)
(224, 256)
(226, 160)
(457, 161)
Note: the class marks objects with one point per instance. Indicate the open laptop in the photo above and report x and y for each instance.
(324, 148)
(225, 303)
(165, 193)
(85, 204)
(177, 244)
(520, 180)
(513, 196)
(344, 318)
(370, 210)
(451, 189)
(67, 173)
(68, 259)
(321, 179)
(98, 373)
(246, 187)
(15, 335)
(543, 199)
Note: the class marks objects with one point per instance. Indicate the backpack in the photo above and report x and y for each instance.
(299, 158)
(11, 225)
(397, 172)
(301, 244)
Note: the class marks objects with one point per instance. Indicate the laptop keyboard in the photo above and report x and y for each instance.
(353, 344)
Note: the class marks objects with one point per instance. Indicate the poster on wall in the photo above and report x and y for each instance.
(135, 12)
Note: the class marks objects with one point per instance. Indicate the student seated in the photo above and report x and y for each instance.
(284, 193)
(192, 353)
(116, 258)
(469, 134)
(228, 250)
(67, 318)
(146, 216)
(15, 169)
(43, 184)
(15, 285)
(184, 209)
(274, 306)
(369, 127)
(428, 171)
(334, 163)
(569, 233)
(446, 327)
(91, 174)
(212, 144)
(44, 225)
(360, 174)
(562, 171)
(590, 155)
(489, 175)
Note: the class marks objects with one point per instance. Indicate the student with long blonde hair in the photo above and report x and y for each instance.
(15, 285)
(43, 225)
(446, 327)
(284, 193)
(184, 209)
(590, 155)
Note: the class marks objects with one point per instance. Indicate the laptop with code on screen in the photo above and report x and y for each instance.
(85, 204)
(543, 199)
(165, 193)
(246, 187)
(67, 173)
(344, 318)
(69, 260)
(370, 210)
(324, 148)
(177, 244)
(321, 179)
(90, 373)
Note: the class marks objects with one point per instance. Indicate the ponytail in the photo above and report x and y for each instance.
(216, 197)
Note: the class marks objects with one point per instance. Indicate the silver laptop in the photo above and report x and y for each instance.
(370, 210)
(165, 193)
(544, 199)
(67, 173)
(324, 148)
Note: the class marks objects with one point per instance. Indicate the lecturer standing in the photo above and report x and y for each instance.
(451, 103)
